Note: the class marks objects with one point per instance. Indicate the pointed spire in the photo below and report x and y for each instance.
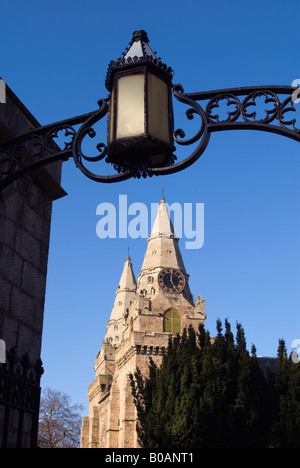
(124, 297)
(162, 250)
(162, 226)
(127, 281)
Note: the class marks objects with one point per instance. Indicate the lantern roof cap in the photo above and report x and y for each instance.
(138, 52)
(139, 46)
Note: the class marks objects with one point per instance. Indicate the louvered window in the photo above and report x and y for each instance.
(172, 322)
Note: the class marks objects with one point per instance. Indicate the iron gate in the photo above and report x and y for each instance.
(19, 401)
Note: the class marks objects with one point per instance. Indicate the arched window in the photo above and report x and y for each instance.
(172, 322)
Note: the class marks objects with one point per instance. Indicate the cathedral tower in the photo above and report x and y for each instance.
(144, 315)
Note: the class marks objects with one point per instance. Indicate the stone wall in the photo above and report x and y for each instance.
(25, 221)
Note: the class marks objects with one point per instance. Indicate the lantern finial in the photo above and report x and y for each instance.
(140, 36)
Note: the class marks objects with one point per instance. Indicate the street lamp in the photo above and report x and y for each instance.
(140, 122)
(140, 127)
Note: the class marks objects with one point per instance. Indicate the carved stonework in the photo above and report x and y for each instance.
(142, 331)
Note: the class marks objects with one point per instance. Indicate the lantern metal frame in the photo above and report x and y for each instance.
(135, 152)
(131, 148)
(25, 153)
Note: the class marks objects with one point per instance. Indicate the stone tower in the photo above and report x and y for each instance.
(145, 313)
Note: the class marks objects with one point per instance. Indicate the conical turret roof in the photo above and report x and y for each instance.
(162, 226)
(163, 250)
(127, 281)
(124, 296)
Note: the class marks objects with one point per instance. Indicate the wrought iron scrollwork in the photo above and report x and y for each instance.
(79, 157)
(240, 105)
(288, 106)
(242, 111)
(33, 150)
(202, 136)
(239, 113)
(214, 104)
(250, 100)
(39, 147)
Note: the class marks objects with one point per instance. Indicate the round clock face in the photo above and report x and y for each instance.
(171, 280)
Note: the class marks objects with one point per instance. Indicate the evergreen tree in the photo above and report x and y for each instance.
(285, 384)
(212, 393)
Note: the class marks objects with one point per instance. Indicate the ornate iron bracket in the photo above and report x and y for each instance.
(38, 147)
(239, 107)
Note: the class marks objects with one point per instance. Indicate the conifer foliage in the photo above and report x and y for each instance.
(213, 394)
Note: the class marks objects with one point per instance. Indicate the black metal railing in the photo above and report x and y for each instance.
(19, 401)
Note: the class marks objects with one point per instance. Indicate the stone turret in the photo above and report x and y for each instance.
(124, 296)
(162, 252)
(144, 316)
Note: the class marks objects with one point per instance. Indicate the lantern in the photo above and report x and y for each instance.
(140, 123)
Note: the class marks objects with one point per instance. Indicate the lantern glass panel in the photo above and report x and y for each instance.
(130, 105)
(158, 108)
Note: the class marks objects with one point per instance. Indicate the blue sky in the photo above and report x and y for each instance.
(54, 56)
